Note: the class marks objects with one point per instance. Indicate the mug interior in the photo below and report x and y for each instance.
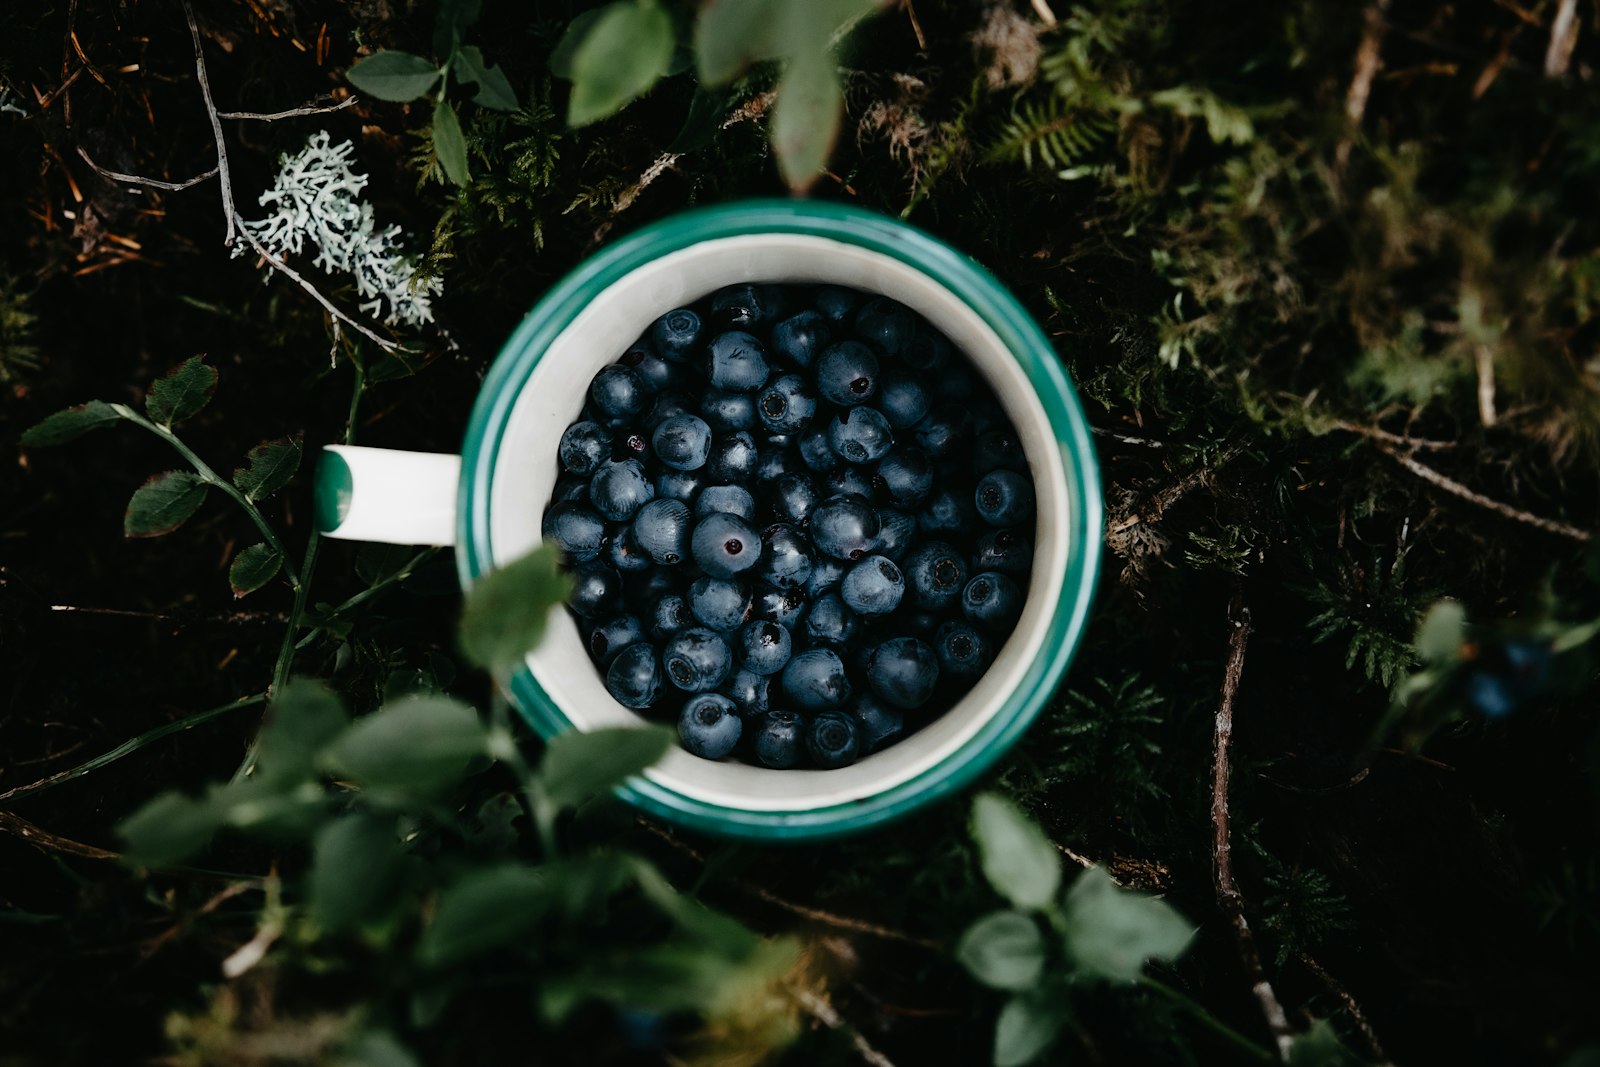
(525, 467)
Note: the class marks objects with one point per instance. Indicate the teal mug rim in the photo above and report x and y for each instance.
(981, 292)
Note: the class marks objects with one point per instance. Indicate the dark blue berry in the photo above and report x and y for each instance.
(596, 590)
(815, 452)
(793, 497)
(901, 397)
(903, 671)
(750, 692)
(846, 481)
(829, 622)
(778, 742)
(733, 458)
(945, 432)
(668, 614)
(895, 531)
(880, 724)
(657, 373)
(847, 374)
(836, 303)
(834, 740)
(678, 485)
(954, 381)
(825, 575)
(619, 489)
(1004, 498)
(799, 338)
(662, 529)
(992, 601)
(575, 529)
(584, 446)
(696, 660)
(682, 442)
(905, 476)
(787, 607)
(860, 435)
(785, 557)
(738, 362)
(1529, 664)
(618, 392)
(1493, 695)
(607, 639)
(772, 462)
(676, 333)
(664, 407)
(845, 527)
(765, 646)
(709, 726)
(634, 677)
(1007, 551)
(724, 545)
(964, 653)
(887, 324)
(815, 680)
(926, 351)
(728, 412)
(998, 450)
(721, 604)
(725, 500)
(873, 587)
(787, 405)
(936, 574)
(624, 552)
(740, 306)
(948, 513)
(571, 489)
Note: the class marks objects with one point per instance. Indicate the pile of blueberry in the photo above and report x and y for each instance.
(795, 519)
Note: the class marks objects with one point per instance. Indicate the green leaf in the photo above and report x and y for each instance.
(420, 745)
(163, 503)
(494, 88)
(1320, 1046)
(1110, 931)
(567, 47)
(300, 722)
(732, 34)
(375, 1048)
(707, 109)
(70, 424)
(1027, 1026)
(506, 610)
(253, 568)
(579, 765)
(1442, 633)
(483, 910)
(455, 17)
(168, 830)
(270, 466)
(1018, 859)
(1003, 950)
(620, 58)
(449, 144)
(394, 76)
(182, 393)
(805, 119)
(354, 860)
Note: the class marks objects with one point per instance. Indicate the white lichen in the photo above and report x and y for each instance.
(316, 201)
(7, 106)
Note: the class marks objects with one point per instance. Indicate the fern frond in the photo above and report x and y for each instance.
(1050, 133)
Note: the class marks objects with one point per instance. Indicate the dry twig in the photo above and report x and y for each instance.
(294, 112)
(44, 839)
(136, 179)
(1563, 39)
(819, 1008)
(1455, 488)
(228, 210)
(1369, 59)
(1357, 1016)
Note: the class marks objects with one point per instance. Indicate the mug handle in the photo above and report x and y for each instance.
(387, 495)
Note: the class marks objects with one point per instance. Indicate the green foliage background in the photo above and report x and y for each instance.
(1325, 276)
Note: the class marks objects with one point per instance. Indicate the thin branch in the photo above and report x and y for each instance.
(1455, 488)
(1127, 439)
(1420, 444)
(292, 113)
(1485, 366)
(1229, 898)
(45, 840)
(1369, 59)
(228, 210)
(135, 179)
(819, 1008)
(1357, 1016)
(338, 316)
(1042, 9)
(1165, 498)
(1563, 38)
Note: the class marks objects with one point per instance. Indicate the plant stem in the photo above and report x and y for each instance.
(368, 593)
(211, 477)
(1209, 1021)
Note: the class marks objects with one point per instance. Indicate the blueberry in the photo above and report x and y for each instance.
(682, 442)
(724, 545)
(954, 381)
(655, 582)
(945, 432)
(624, 552)
(656, 373)
(575, 529)
(799, 338)
(629, 443)
(619, 489)
(584, 446)
(787, 607)
(696, 660)
(634, 677)
(815, 680)
(833, 739)
(880, 724)
(618, 392)
(905, 476)
(664, 407)
(895, 531)
(826, 574)
(860, 435)
(1529, 664)
(571, 489)
(963, 653)
(1493, 695)
(845, 527)
(901, 397)
(998, 450)
(948, 512)
(725, 500)
(772, 463)
(846, 481)
(829, 622)
(742, 306)
(596, 591)
(785, 557)
(936, 574)
(787, 405)
(903, 671)
(873, 587)
(727, 412)
(662, 529)
(607, 639)
(913, 621)
(750, 692)
(1007, 551)
(793, 497)
(667, 615)
(678, 485)
(718, 603)
(738, 362)
(927, 350)
(887, 324)
(733, 458)
(836, 303)
(1004, 498)
(709, 726)
(992, 601)
(815, 452)
(778, 741)
(847, 374)
(765, 646)
(676, 333)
